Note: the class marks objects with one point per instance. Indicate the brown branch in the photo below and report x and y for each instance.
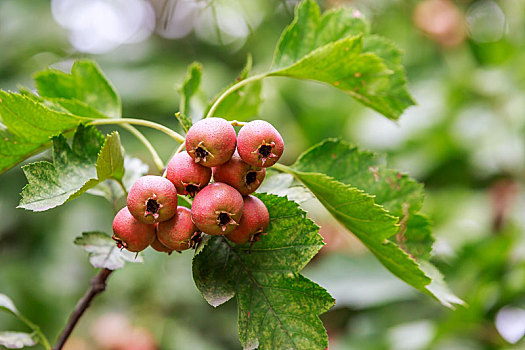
(98, 285)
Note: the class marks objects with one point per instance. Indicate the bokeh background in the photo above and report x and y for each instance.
(465, 140)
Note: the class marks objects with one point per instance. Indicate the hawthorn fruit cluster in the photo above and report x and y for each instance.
(224, 207)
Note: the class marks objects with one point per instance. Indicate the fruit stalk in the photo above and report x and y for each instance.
(97, 286)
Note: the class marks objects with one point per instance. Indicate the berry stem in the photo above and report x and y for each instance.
(98, 285)
(154, 155)
(233, 88)
(36, 330)
(122, 187)
(174, 135)
(283, 168)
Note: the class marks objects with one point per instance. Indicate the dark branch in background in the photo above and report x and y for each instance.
(98, 285)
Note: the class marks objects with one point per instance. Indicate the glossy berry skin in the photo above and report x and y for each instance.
(217, 209)
(130, 233)
(260, 144)
(158, 246)
(211, 141)
(242, 176)
(187, 176)
(177, 233)
(152, 199)
(253, 224)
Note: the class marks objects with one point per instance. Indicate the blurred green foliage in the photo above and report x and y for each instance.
(465, 140)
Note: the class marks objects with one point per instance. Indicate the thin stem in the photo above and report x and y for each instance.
(283, 168)
(181, 147)
(232, 89)
(36, 329)
(154, 155)
(174, 135)
(98, 285)
(122, 187)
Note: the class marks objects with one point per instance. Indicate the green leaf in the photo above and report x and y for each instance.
(26, 127)
(190, 86)
(74, 170)
(17, 340)
(415, 236)
(103, 252)
(368, 199)
(392, 101)
(111, 190)
(335, 48)
(184, 121)
(244, 102)
(309, 31)
(85, 88)
(278, 307)
(6, 304)
(396, 192)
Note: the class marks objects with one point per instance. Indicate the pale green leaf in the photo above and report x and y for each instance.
(189, 88)
(103, 251)
(89, 161)
(86, 84)
(17, 340)
(278, 307)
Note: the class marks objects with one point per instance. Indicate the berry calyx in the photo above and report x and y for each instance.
(217, 209)
(130, 233)
(260, 144)
(253, 224)
(211, 142)
(187, 176)
(178, 233)
(152, 199)
(242, 176)
(158, 246)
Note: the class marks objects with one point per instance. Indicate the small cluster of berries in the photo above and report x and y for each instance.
(224, 207)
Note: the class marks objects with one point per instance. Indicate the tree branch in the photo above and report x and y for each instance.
(98, 285)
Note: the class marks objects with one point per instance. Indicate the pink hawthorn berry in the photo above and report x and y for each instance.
(158, 246)
(242, 176)
(152, 199)
(187, 176)
(254, 222)
(211, 141)
(217, 209)
(178, 233)
(130, 233)
(260, 144)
